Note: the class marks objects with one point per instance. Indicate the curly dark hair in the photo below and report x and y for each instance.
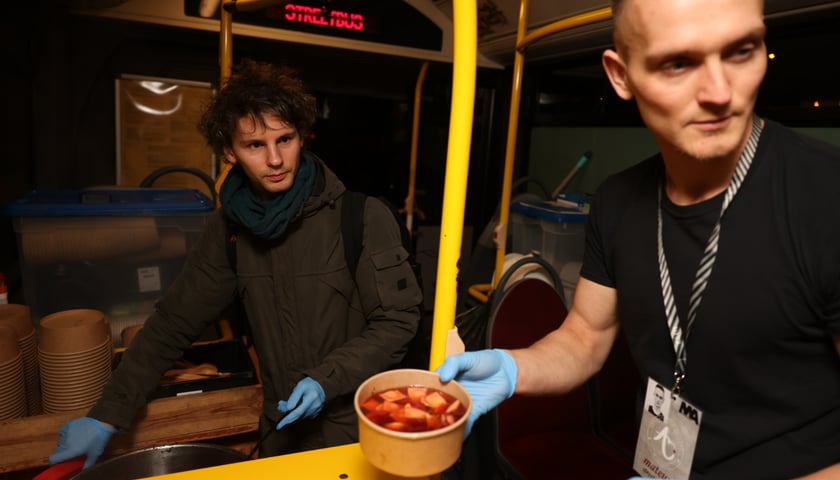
(254, 89)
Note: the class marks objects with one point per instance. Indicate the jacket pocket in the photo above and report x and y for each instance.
(395, 282)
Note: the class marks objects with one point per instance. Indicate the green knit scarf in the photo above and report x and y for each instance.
(267, 219)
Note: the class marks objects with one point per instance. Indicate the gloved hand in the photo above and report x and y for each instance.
(488, 375)
(82, 436)
(306, 401)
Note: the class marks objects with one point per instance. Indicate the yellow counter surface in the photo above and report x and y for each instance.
(345, 462)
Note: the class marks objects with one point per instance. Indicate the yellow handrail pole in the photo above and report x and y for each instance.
(564, 24)
(225, 61)
(500, 232)
(415, 135)
(225, 42)
(457, 166)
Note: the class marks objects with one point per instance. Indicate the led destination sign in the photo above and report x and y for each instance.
(390, 22)
(319, 16)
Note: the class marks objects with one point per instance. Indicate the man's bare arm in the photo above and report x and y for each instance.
(828, 473)
(568, 356)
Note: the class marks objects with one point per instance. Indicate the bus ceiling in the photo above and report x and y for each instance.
(419, 29)
(409, 28)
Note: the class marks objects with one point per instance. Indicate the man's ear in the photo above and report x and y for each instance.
(617, 73)
(229, 156)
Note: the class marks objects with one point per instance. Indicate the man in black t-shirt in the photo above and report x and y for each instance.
(718, 259)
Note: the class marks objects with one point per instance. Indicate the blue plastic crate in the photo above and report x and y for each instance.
(549, 211)
(97, 202)
(115, 250)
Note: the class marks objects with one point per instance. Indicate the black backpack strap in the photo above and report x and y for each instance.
(236, 311)
(352, 227)
(407, 240)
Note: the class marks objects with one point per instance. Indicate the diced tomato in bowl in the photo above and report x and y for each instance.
(410, 423)
(412, 409)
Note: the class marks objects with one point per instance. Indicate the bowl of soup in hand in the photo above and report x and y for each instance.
(410, 423)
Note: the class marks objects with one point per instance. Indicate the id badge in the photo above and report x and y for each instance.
(667, 436)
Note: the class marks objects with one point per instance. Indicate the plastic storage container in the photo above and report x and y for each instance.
(114, 250)
(555, 232)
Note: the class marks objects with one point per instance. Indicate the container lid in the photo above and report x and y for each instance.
(117, 201)
(547, 210)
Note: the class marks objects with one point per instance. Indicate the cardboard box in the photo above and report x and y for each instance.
(114, 250)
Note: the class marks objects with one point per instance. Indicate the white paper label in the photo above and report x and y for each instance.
(148, 278)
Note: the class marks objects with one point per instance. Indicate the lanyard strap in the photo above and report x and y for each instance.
(701, 280)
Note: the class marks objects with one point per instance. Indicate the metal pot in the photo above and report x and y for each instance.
(154, 461)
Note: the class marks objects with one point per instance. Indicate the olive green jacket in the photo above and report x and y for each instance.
(306, 314)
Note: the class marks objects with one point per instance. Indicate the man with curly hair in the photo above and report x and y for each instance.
(317, 329)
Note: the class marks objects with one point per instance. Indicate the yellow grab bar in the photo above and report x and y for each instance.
(457, 166)
(415, 134)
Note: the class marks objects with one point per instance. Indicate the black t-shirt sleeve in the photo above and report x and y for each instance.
(594, 266)
(611, 215)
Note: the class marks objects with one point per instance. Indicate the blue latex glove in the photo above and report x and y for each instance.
(488, 375)
(306, 401)
(82, 436)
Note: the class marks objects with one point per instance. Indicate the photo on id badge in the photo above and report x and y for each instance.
(667, 434)
(658, 402)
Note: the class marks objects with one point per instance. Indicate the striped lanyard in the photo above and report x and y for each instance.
(701, 280)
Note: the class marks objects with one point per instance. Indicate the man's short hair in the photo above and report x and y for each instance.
(616, 7)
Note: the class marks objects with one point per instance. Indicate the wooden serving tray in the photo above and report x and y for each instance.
(26, 443)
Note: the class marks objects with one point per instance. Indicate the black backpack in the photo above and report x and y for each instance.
(352, 226)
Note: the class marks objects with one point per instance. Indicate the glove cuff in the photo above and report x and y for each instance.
(309, 381)
(510, 370)
(105, 433)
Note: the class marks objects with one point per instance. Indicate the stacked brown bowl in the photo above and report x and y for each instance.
(18, 318)
(74, 354)
(12, 386)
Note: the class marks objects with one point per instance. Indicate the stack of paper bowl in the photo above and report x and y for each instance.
(18, 318)
(12, 387)
(74, 354)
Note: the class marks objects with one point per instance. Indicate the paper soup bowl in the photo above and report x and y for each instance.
(9, 349)
(18, 318)
(410, 454)
(73, 331)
